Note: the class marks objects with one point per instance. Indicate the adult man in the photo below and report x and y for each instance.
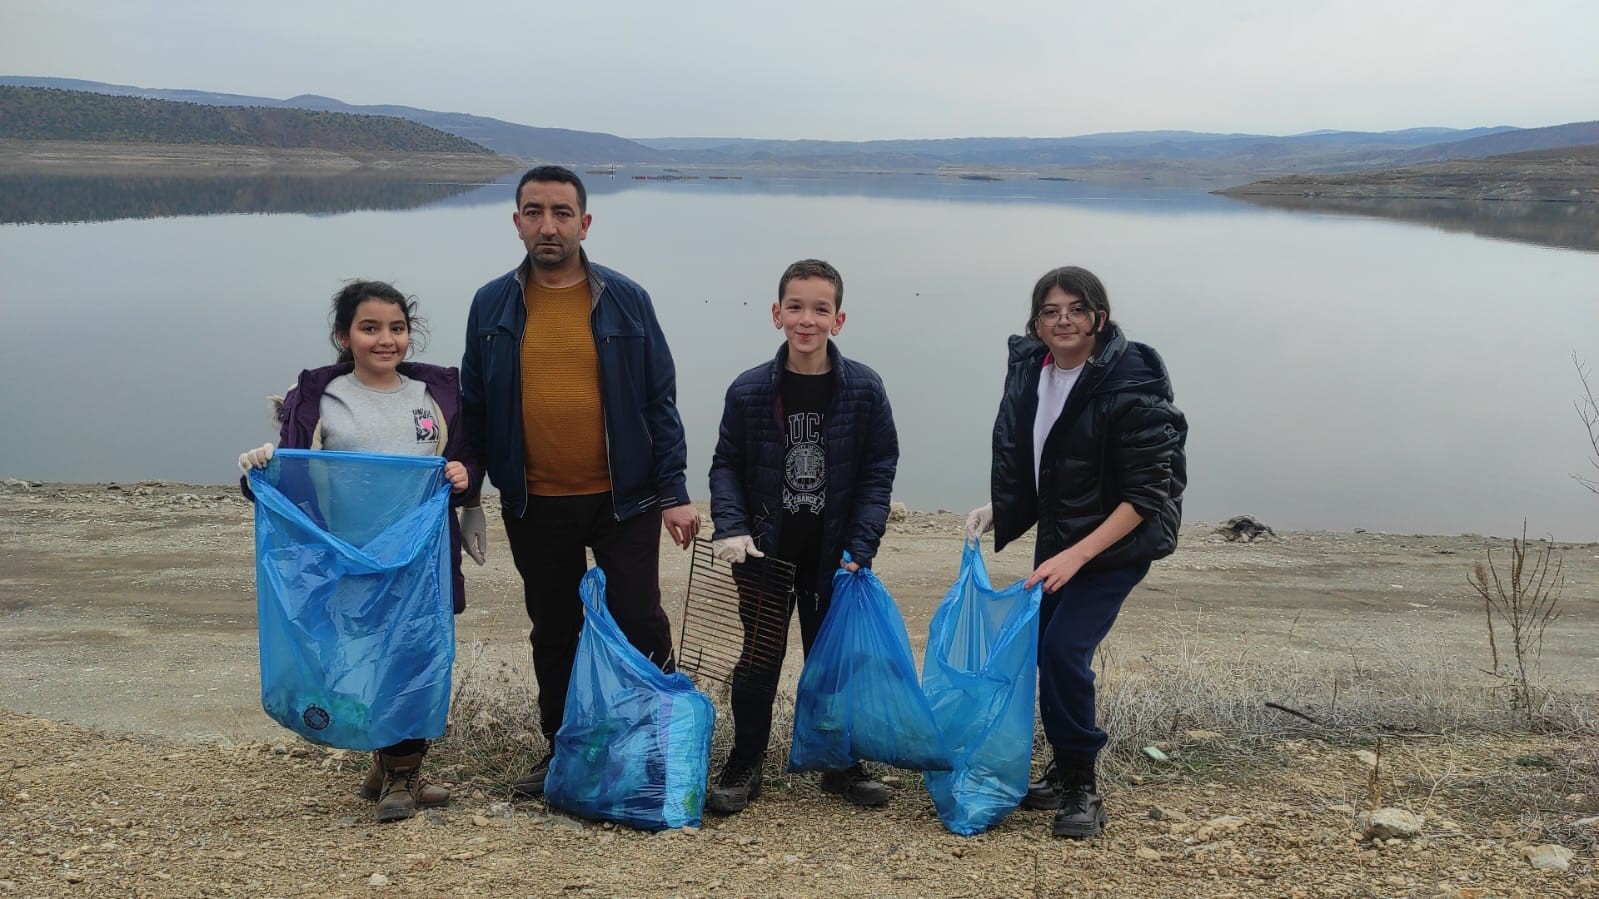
(568, 394)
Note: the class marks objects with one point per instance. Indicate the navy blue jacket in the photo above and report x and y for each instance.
(862, 455)
(1119, 439)
(638, 391)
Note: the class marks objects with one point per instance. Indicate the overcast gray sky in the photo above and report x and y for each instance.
(855, 70)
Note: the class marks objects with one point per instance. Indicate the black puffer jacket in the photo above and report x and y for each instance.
(862, 455)
(1119, 439)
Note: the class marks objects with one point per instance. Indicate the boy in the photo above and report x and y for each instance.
(803, 470)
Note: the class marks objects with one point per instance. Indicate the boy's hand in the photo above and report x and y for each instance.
(847, 565)
(980, 521)
(733, 550)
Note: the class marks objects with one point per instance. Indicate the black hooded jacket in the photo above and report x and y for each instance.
(1118, 439)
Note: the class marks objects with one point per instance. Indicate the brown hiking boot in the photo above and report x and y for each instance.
(402, 785)
(431, 795)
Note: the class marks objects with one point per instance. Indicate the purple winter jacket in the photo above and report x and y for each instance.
(301, 413)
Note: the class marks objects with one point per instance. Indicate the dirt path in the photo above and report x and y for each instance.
(130, 610)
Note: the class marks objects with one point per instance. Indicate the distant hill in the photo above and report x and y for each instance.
(52, 114)
(1562, 175)
(1519, 141)
(523, 141)
(1169, 154)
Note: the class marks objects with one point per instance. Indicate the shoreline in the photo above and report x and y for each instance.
(26, 157)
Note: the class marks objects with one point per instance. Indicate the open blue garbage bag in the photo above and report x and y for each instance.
(635, 744)
(353, 596)
(858, 699)
(981, 677)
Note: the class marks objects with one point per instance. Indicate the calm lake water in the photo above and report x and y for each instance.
(1338, 371)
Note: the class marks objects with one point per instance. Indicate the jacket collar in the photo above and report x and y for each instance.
(834, 362)
(596, 283)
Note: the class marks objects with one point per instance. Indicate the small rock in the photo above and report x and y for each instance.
(378, 880)
(1147, 854)
(280, 749)
(1166, 814)
(1586, 822)
(479, 821)
(23, 796)
(690, 829)
(1246, 529)
(1548, 857)
(1389, 823)
(18, 484)
(896, 511)
(500, 809)
(1368, 757)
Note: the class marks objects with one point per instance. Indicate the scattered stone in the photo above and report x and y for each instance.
(1246, 529)
(479, 821)
(1167, 814)
(896, 511)
(1586, 822)
(280, 749)
(1389, 823)
(1367, 756)
(18, 484)
(1548, 857)
(1154, 753)
(23, 796)
(1147, 854)
(500, 809)
(378, 880)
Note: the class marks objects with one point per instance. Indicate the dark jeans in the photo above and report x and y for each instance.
(547, 543)
(406, 747)
(756, 675)
(1072, 622)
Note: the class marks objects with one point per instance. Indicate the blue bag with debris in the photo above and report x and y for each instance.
(353, 596)
(635, 744)
(981, 678)
(858, 699)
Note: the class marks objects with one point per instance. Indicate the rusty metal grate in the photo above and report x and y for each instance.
(733, 614)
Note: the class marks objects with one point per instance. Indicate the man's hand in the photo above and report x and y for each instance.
(474, 536)
(980, 521)
(455, 473)
(682, 522)
(256, 458)
(734, 550)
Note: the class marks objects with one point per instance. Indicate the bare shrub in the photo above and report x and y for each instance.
(1525, 601)
(1588, 411)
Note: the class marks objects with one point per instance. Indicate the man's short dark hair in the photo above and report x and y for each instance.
(813, 268)
(554, 173)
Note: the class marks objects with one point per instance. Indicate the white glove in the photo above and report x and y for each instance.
(474, 538)
(734, 549)
(256, 458)
(980, 521)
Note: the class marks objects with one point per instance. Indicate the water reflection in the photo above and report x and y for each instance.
(36, 199)
(1570, 226)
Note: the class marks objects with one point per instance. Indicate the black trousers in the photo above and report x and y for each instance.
(547, 544)
(1072, 622)
(760, 663)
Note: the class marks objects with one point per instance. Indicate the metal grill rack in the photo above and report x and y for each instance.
(735, 613)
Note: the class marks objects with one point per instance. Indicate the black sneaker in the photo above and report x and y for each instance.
(1081, 814)
(737, 785)
(855, 785)
(531, 784)
(1044, 793)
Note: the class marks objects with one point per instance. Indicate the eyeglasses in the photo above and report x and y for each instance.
(1076, 316)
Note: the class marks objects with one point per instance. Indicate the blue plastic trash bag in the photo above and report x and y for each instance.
(353, 596)
(858, 699)
(635, 744)
(981, 677)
